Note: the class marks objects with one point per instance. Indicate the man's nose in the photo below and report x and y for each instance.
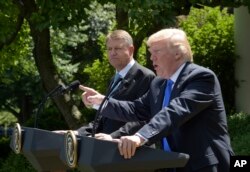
(113, 51)
(152, 57)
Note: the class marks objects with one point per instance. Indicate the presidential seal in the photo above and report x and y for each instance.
(71, 149)
(17, 138)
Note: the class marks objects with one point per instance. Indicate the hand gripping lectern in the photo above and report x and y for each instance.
(42, 148)
(103, 156)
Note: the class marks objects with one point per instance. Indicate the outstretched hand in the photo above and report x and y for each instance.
(91, 96)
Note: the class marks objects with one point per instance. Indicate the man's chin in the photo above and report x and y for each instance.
(159, 73)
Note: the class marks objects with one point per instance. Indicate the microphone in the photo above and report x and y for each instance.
(75, 84)
(72, 86)
(59, 90)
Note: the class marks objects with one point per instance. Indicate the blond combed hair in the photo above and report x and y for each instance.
(175, 39)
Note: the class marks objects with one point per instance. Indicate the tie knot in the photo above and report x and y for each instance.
(167, 92)
(170, 83)
(117, 77)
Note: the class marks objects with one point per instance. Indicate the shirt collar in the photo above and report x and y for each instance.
(177, 73)
(125, 70)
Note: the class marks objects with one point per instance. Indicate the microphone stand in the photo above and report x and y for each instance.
(101, 105)
(59, 90)
(52, 93)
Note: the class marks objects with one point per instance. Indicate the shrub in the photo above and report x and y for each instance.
(16, 163)
(239, 130)
(211, 35)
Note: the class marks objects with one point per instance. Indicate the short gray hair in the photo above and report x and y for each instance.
(120, 34)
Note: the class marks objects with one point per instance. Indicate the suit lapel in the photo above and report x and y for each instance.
(110, 85)
(127, 80)
(179, 82)
(158, 94)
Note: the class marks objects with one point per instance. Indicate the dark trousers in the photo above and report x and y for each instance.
(211, 168)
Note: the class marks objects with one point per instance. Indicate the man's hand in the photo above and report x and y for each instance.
(128, 144)
(60, 131)
(103, 136)
(91, 96)
(65, 131)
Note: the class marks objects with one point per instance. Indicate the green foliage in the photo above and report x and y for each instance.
(211, 35)
(141, 56)
(8, 19)
(62, 40)
(5, 149)
(75, 46)
(139, 12)
(239, 130)
(18, 73)
(59, 13)
(48, 119)
(17, 56)
(16, 163)
(100, 18)
(6, 119)
(100, 71)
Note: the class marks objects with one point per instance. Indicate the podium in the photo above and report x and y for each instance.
(42, 148)
(49, 151)
(103, 156)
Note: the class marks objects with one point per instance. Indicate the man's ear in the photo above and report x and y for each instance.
(131, 49)
(180, 52)
(178, 55)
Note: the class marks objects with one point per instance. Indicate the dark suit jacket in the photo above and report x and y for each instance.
(194, 122)
(135, 84)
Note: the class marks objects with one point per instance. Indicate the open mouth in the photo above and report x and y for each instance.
(155, 66)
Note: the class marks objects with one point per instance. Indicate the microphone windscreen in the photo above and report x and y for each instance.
(75, 84)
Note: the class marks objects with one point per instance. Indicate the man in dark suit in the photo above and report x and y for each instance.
(194, 121)
(135, 81)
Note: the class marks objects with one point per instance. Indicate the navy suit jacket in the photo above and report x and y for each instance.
(134, 85)
(194, 121)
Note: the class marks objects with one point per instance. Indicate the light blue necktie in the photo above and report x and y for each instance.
(115, 83)
(165, 103)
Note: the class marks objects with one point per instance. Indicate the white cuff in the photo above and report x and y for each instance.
(145, 139)
(96, 106)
